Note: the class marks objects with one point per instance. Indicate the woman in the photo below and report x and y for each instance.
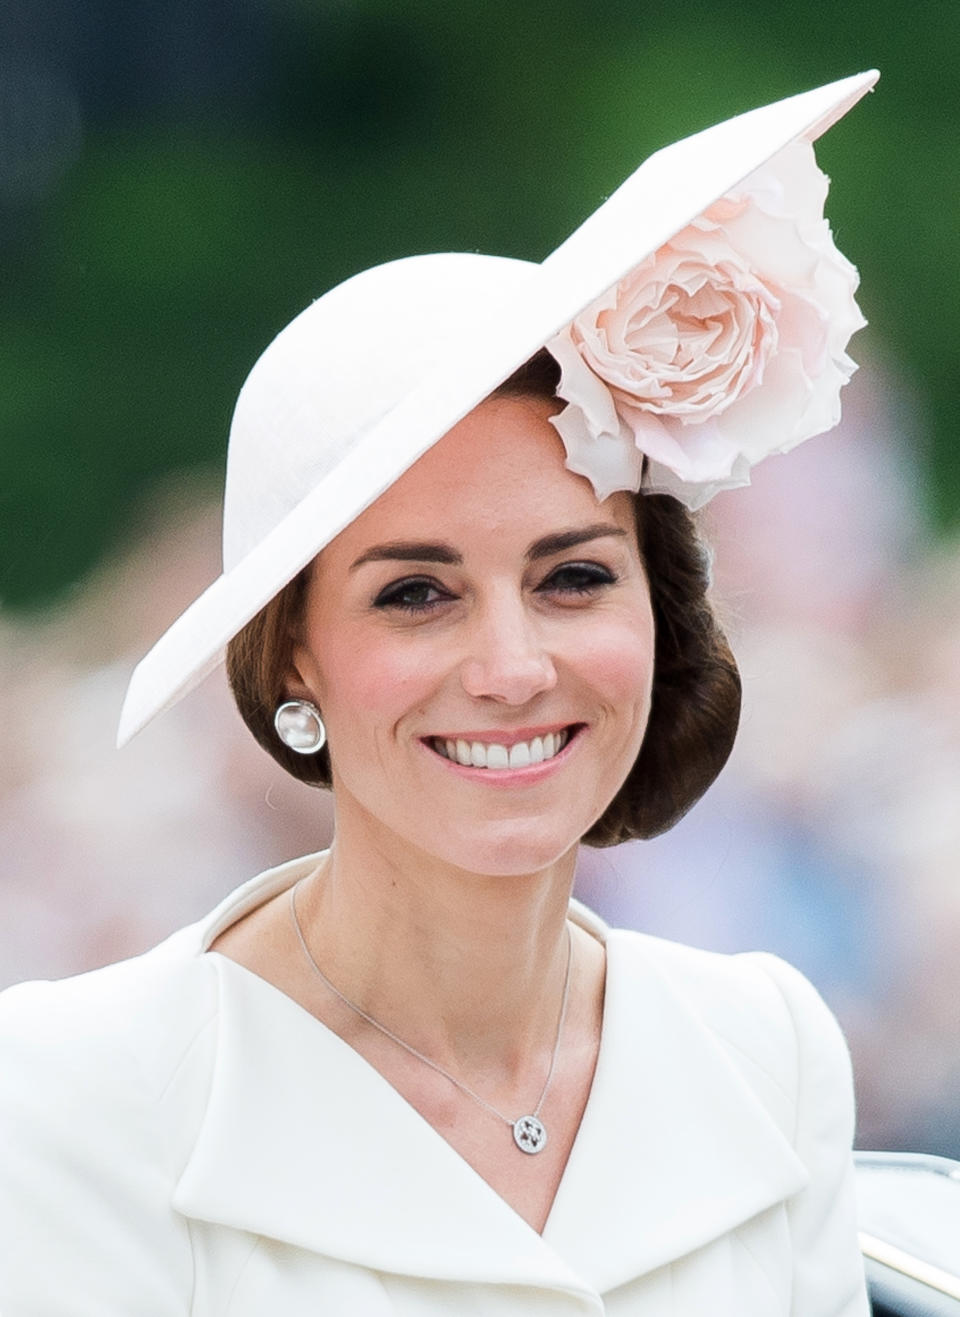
(461, 587)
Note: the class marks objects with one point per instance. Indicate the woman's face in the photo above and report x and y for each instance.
(480, 643)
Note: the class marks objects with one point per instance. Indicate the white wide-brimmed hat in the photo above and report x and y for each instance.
(356, 388)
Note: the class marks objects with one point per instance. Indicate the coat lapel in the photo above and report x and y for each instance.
(675, 1147)
(302, 1141)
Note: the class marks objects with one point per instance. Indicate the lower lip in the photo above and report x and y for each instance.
(508, 777)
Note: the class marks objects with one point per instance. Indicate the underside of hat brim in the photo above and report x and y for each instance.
(671, 188)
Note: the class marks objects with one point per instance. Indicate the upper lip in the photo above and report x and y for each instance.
(502, 736)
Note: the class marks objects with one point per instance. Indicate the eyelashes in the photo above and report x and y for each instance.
(577, 578)
(414, 594)
(422, 594)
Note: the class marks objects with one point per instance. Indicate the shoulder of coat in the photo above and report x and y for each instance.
(766, 1015)
(129, 1022)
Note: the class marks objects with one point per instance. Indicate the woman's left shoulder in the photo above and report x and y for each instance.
(761, 1009)
(753, 1018)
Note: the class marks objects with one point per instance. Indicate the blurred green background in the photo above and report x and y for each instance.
(178, 179)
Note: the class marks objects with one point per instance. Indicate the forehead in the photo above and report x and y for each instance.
(500, 471)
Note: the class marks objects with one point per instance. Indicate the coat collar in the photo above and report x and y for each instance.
(370, 1182)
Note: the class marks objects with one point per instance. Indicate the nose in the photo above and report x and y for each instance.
(507, 661)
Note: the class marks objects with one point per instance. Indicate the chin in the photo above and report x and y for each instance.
(511, 845)
(510, 850)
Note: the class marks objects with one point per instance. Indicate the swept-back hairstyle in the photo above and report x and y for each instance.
(695, 705)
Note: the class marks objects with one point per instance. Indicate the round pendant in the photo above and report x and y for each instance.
(529, 1134)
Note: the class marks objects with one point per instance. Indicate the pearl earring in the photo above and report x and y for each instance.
(300, 727)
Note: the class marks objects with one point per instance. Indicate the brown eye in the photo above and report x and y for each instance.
(414, 594)
(578, 578)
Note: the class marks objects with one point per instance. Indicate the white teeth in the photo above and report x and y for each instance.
(477, 754)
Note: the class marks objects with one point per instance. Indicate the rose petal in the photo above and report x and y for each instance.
(578, 383)
(597, 443)
(609, 461)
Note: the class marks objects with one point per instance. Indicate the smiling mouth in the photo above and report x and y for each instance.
(522, 754)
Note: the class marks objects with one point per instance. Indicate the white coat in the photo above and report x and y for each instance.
(178, 1137)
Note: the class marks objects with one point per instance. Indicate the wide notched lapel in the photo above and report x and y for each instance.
(302, 1141)
(676, 1147)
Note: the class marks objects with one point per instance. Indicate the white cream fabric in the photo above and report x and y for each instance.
(178, 1137)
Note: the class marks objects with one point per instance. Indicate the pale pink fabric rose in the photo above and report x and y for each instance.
(726, 345)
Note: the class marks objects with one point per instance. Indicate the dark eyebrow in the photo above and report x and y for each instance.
(410, 551)
(435, 551)
(568, 539)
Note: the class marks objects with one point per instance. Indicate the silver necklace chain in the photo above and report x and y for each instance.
(529, 1132)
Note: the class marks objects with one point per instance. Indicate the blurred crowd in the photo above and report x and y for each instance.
(832, 837)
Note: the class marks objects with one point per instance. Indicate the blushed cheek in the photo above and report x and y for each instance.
(374, 688)
(619, 662)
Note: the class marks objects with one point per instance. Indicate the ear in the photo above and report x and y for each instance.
(302, 681)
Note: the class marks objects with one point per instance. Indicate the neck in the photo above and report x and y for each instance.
(466, 967)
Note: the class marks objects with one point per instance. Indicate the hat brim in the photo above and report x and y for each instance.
(670, 189)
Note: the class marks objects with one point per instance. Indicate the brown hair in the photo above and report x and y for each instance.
(695, 707)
